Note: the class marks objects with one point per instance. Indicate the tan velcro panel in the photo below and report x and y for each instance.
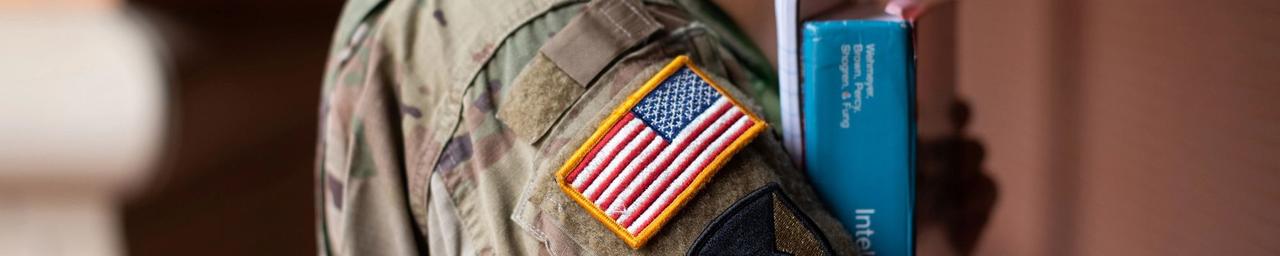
(599, 35)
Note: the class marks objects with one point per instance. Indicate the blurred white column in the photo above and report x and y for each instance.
(81, 118)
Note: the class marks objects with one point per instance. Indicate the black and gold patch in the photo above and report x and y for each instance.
(765, 222)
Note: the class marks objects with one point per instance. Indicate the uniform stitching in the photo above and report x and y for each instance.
(638, 13)
(605, 11)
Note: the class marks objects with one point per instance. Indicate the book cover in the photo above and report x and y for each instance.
(859, 132)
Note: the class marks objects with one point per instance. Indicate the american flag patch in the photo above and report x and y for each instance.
(656, 150)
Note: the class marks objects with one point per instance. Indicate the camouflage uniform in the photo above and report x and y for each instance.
(443, 121)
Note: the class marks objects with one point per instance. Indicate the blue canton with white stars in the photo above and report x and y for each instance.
(675, 103)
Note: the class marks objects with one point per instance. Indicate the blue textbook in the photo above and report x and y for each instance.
(859, 131)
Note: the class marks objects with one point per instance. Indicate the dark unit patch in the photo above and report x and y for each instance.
(765, 222)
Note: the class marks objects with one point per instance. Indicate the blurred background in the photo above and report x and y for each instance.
(187, 127)
(244, 81)
(229, 157)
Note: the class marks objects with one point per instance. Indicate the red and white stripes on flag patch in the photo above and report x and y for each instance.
(656, 150)
(633, 173)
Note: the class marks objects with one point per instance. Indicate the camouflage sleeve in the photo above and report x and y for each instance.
(447, 127)
(731, 195)
(705, 220)
(360, 183)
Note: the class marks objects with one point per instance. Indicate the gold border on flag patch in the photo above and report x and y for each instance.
(651, 155)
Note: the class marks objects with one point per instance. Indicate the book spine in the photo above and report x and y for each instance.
(859, 131)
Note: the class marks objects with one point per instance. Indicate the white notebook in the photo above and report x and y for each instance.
(786, 12)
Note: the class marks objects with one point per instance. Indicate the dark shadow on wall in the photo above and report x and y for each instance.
(953, 191)
(955, 194)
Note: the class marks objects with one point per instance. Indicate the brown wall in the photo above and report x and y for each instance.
(1140, 127)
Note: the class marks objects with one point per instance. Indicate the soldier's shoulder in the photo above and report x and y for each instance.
(652, 146)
